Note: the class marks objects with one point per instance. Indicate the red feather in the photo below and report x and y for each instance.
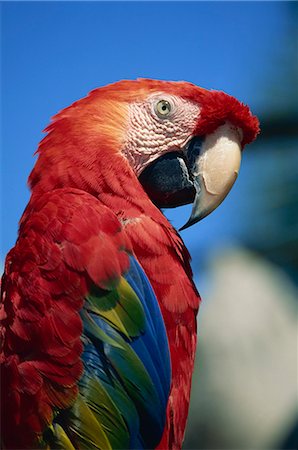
(47, 276)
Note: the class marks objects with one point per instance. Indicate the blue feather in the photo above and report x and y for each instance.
(135, 372)
(155, 339)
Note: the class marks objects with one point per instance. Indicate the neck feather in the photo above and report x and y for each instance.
(72, 160)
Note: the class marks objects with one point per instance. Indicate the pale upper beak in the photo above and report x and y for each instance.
(215, 170)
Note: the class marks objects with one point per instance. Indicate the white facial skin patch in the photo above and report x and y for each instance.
(151, 134)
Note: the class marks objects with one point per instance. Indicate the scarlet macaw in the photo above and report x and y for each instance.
(98, 303)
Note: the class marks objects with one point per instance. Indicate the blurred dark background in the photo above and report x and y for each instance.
(245, 384)
(244, 255)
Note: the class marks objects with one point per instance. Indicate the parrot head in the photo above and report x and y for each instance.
(182, 142)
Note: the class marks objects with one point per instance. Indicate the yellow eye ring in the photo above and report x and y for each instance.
(163, 108)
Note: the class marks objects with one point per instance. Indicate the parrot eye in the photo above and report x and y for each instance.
(163, 108)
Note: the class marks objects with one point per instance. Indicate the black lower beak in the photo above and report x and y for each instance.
(169, 180)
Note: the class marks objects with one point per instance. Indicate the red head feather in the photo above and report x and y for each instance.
(89, 133)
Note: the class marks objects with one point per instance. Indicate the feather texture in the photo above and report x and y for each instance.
(107, 317)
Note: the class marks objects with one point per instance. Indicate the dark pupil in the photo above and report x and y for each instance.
(164, 107)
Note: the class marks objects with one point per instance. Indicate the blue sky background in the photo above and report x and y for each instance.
(55, 52)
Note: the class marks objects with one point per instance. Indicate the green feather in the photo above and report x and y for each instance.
(121, 308)
(94, 330)
(86, 431)
(106, 412)
(59, 439)
(134, 375)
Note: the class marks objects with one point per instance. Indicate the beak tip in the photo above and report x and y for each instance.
(191, 221)
(184, 227)
(196, 216)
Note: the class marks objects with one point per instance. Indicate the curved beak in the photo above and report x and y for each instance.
(215, 170)
(203, 173)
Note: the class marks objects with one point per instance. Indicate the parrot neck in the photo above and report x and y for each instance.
(108, 178)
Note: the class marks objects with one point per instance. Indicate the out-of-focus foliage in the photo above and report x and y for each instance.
(271, 208)
(274, 190)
